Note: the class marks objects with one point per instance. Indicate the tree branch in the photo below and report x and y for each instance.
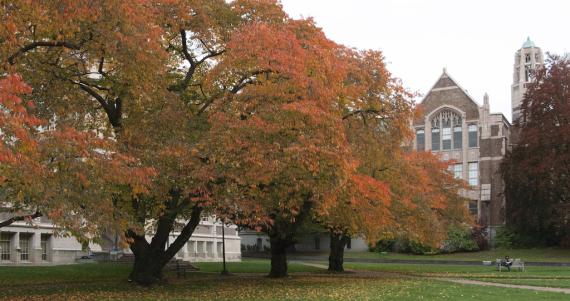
(186, 232)
(366, 111)
(35, 45)
(19, 218)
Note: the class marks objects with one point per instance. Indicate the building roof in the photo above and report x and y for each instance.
(528, 43)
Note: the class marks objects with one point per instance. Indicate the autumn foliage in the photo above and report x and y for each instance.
(167, 110)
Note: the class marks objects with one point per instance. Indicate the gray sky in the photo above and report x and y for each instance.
(475, 40)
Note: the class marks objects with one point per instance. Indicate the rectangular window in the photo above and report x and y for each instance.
(435, 139)
(473, 208)
(25, 246)
(420, 140)
(473, 173)
(5, 245)
(458, 171)
(457, 138)
(44, 245)
(472, 135)
(485, 192)
(446, 138)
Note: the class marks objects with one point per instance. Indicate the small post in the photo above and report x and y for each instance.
(225, 270)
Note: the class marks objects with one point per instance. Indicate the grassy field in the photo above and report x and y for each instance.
(108, 282)
(542, 254)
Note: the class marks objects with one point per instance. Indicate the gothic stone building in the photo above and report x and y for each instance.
(457, 128)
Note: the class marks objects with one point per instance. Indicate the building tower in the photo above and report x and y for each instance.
(527, 59)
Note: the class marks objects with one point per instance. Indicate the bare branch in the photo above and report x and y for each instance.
(35, 45)
(19, 218)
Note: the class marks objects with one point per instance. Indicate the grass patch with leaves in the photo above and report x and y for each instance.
(108, 281)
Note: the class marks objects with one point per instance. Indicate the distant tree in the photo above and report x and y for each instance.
(537, 169)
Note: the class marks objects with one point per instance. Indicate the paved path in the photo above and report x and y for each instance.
(454, 280)
(528, 287)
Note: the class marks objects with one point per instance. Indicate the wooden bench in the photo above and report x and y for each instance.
(180, 267)
(517, 264)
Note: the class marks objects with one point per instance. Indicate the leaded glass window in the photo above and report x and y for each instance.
(472, 135)
(473, 173)
(457, 137)
(458, 171)
(435, 139)
(446, 130)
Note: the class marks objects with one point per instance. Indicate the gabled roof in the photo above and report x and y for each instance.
(446, 81)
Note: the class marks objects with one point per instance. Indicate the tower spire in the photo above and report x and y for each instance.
(527, 59)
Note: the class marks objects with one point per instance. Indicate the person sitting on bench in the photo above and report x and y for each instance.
(507, 262)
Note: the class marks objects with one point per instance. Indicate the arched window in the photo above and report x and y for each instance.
(472, 135)
(447, 139)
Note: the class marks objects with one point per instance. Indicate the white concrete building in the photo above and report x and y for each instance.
(24, 244)
(252, 241)
(206, 242)
(21, 243)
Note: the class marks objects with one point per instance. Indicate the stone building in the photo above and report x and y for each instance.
(457, 128)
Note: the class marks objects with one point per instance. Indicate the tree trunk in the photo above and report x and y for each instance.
(147, 269)
(281, 236)
(278, 257)
(150, 258)
(336, 256)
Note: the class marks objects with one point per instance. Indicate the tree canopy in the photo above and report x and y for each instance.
(536, 170)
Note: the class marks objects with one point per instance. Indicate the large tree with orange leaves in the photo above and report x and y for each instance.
(144, 77)
(394, 192)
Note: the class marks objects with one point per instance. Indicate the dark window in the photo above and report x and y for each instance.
(446, 134)
(5, 245)
(259, 245)
(317, 243)
(473, 207)
(44, 244)
(494, 130)
(420, 139)
(25, 246)
(473, 135)
(457, 137)
(435, 139)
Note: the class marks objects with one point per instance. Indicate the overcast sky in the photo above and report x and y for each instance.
(475, 40)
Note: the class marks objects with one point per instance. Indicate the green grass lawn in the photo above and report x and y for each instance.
(542, 254)
(461, 270)
(108, 282)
